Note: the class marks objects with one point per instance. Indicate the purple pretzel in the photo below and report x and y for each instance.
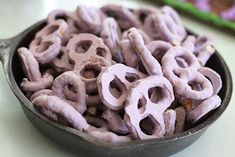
(170, 61)
(183, 77)
(46, 44)
(29, 64)
(72, 79)
(94, 66)
(40, 92)
(158, 49)
(203, 108)
(111, 34)
(56, 28)
(92, 97)
(57, 15)
(147, 101)
(150, 63)
(165, 25)
(214, 77)
(114, 83)
(90, 18)
(170, 120)
(188, 43)
(143, 12)
(146, 37)
(107, 136)
(45, 50)
(59, 107)
(69, 17)
(186, 86)
(34, 81)
(229, 14)
(90, 54)
(130, 57)
(51, 115)
(85, 46)
(124, 17)
(32, 86)
(179, 29)
(115, 122)
(180, 119)
(204, 48)
(203, 5)
(62, 63)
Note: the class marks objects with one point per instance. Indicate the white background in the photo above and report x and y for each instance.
(19, 138)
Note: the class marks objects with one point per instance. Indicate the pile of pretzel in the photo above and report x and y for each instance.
(120, 74)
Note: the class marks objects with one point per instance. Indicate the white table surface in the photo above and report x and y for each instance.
(19, 138)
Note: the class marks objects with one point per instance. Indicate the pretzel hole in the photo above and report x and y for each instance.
(142, 104)
(62, 17)
(44, 46)
(51, 29)
(195, 86)
(60, 55)
(155, 94)
(196, 54)
(148, 125)
(131, 77)
(101, 52)
(90, 72)
(116, 87)
(70, 92)
(71, 88)
(143, 16)
(83, 46)
(182, 61)
(176, 73)
(112, 14)
(159, 53)
(71, 61)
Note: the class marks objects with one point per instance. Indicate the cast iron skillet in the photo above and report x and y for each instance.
(84, 144)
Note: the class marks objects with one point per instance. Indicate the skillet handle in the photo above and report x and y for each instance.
(5, 51)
